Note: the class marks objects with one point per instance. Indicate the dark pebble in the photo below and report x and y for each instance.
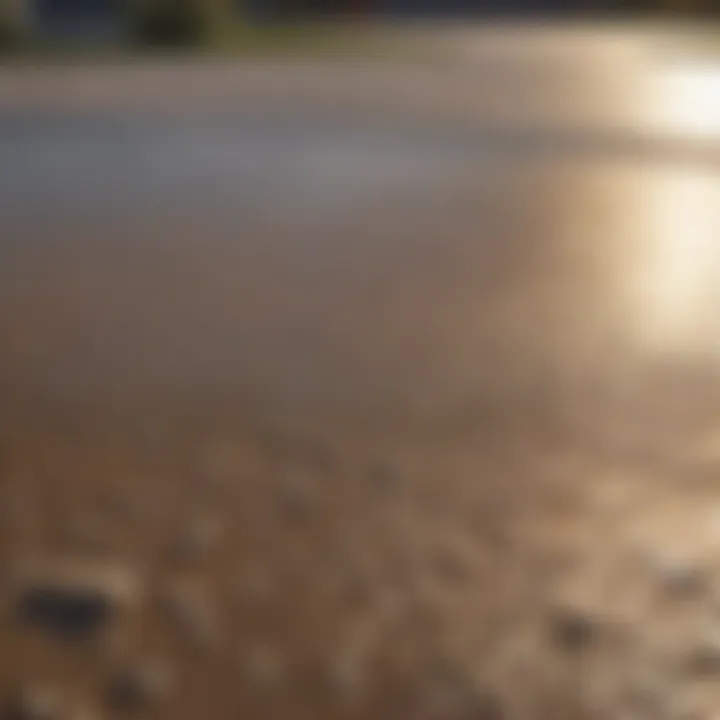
(572, 630)
(73, 603)
(138, 686)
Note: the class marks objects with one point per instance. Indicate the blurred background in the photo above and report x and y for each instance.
(210, 23)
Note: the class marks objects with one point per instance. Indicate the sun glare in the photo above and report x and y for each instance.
(689, 100)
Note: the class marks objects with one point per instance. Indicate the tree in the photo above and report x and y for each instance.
(179, 22)
(14, 21)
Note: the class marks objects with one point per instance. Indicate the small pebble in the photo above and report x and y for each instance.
(449, 566)
(201, 536)
(347, 674)
(255, 583)
(573, 630)
(704, 660)
(140, 685)
(679, 578)
(488, 707)
(189, 608)
(297, 498)
(85, 712)
(34, 702)
(263, 664)
(383, 479)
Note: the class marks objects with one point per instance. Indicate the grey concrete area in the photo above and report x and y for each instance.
(488, 182)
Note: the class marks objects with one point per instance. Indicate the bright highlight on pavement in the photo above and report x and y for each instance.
(676, 275)
(689, 100)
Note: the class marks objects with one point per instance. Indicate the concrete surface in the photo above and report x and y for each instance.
(410, 339)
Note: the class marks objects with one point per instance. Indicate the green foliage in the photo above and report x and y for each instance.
(178, 23)
(10, 31)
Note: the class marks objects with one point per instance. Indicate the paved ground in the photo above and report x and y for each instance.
(362, 390)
